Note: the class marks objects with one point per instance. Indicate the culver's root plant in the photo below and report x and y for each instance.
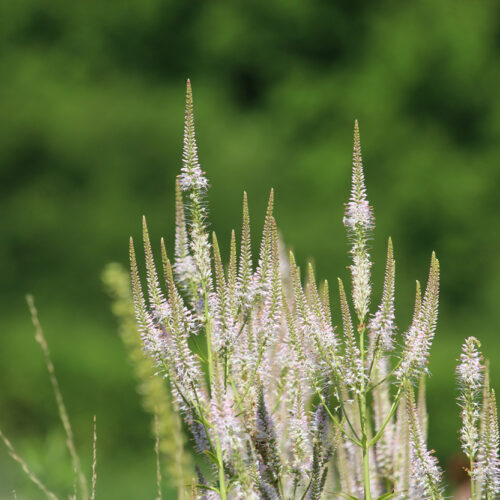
(280, 402)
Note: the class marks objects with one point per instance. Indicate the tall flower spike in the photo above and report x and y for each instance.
(266, 242)
(221, 335)
(488, 462)
(156, 297)
(194, 183)
(353, 368)
(382, 326)
(425, 474)
(232, 283)
(141, 310)
(419, 337)
(192, 178)
(323, 333)
(359, 222)
(261, 280)
(418, 301)
(245, 267)
(314, 299)
(325, 300)
(220, 279)
(231, 268)
(274, 302)
(470, 375)
(150, 334)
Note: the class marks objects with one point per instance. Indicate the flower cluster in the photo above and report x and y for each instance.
(359, 222)
(282, 403)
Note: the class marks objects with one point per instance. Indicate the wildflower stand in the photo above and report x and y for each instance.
(279, 403)
(289, 409)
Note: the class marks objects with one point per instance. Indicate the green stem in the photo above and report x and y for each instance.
(374, 358)
(335, 421)
(220, 466)
(387, 377)
(366, 472)
(233, 386)
(341, 403)
(388, 418)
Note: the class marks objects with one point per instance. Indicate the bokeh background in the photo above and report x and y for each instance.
(91, 111)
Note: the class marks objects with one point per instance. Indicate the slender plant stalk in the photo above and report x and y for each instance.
(29, 473)
(63, 414)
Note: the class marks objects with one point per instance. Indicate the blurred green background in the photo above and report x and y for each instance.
(91, 117)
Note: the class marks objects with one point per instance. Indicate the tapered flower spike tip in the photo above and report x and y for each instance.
(311, 280)
(163, 248)
(246, 244)
(138, 296)
(269, 215)
(359, 214)
(167, 270)
(246, 220)
(147, 246)
(232, 269)
(325, 300)
(219, 271)
(357, 144)
(245, 264)
(291, 258)
(133, 261)
(155, 295)
(192, 178)
(346, 315)
(418, 339)
(418, 301)
(431, 296)
(270, 203)
(189, 111)
(189, 97)
(359, 223)
(382, 326)
(266, 245)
